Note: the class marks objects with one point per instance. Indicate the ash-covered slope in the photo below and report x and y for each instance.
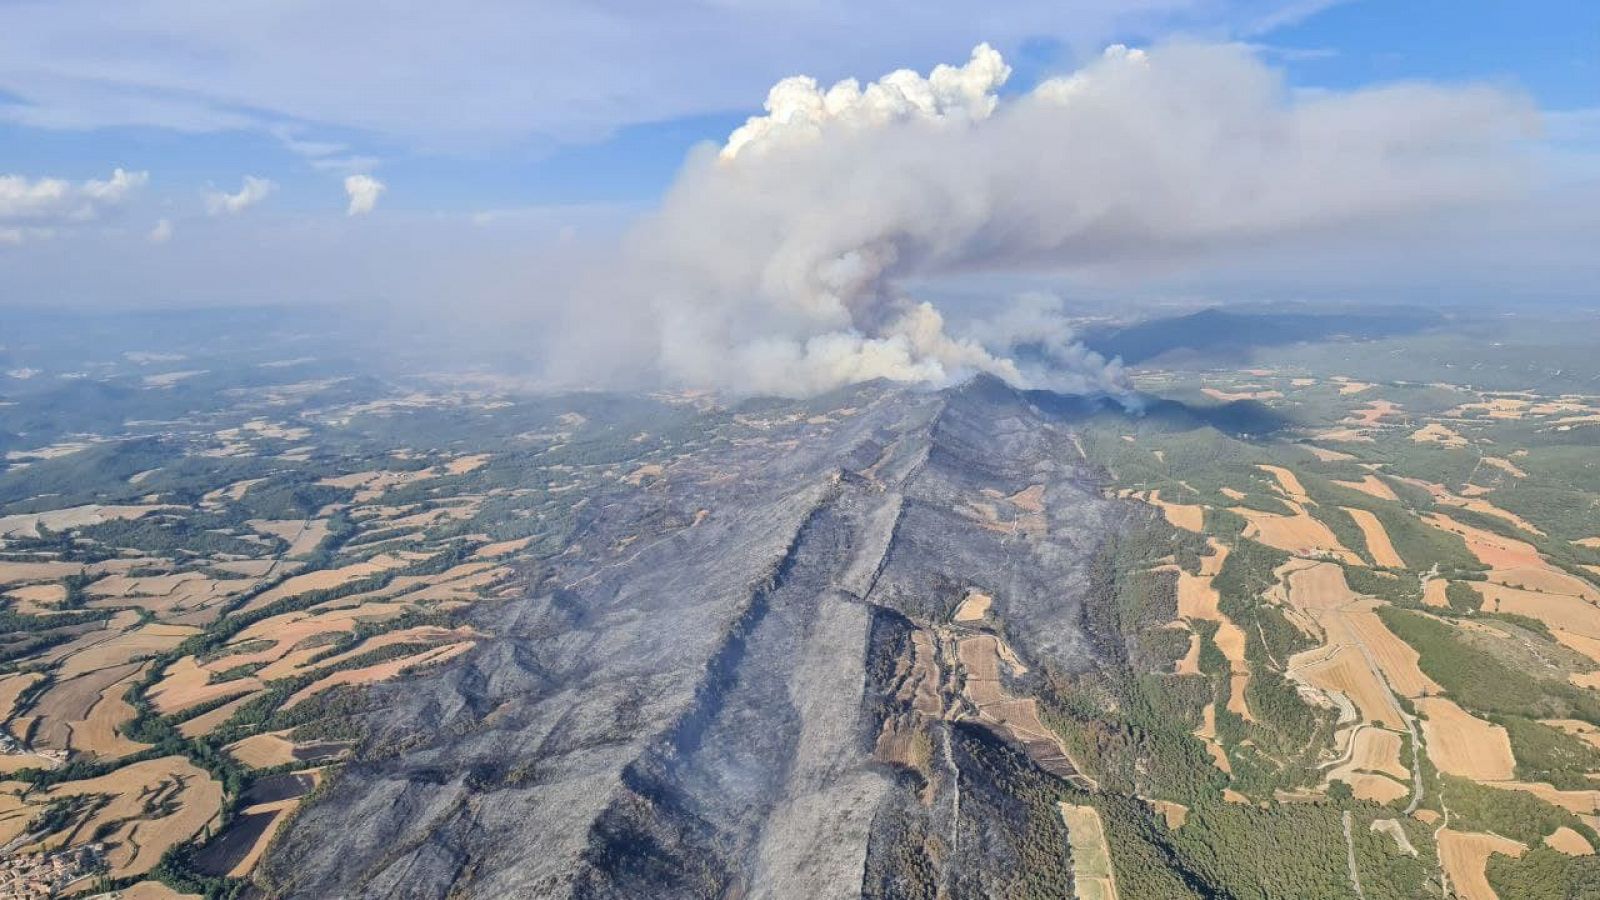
(756, 696)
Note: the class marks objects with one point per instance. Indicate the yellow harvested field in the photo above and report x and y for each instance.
(1093, 877)
(24, 572)
(1435, 592)
(1397, 660)
(1175, 814)
(380, 672)
(1373, 413)
(1326, 455)
(1578, 728)
(461, 465)
(1547, 579)
(1375, 788)
(421, 634)
(136, 839)
(1299, 534)
(140, 643)
(1375, 750)
(1344, 435)
(1219, 757)
(1434, 433)
(1343, 671)
(325, 579)
(458, 584)
(36, 599)
(1493, 550)
(1190, 663)
(263, 751)
(77, 711)
(1559, 611)
(1464, 855)
(648, 470)
(11, 687)
(1354, 387)
(1188, 516)
(204, 723)
(974, 607)
(1569, 842)
(1372, 486)
(1207, 733)
(1592, 543)
(97, 733)
(1584, 644)
(1359, 659)
(191, 596)
(1233, 396)
(1506, 466)
(1475, 504)
(1378, 543)
(27, 524)
(186, 684)
(501, 548)
(1197, 599)
(370, 486)
(1496, 407)
(1460, 743)
(1288, 482)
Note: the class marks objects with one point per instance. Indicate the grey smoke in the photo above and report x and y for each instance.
(774, 263)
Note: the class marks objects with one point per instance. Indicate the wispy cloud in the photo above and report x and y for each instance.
(291, 69)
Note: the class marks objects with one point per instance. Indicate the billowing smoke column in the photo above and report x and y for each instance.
(774, 263)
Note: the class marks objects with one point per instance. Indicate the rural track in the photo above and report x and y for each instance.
(1350, 856)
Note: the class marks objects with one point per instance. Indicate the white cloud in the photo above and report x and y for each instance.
(592, 68)
(161, 232)
(38, 207)
(797, 109)
(253, 191)
(363, 191)
(776, 264)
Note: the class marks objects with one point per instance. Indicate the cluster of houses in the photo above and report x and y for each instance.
(27, 876)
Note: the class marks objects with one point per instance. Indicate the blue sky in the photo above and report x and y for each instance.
(1551, 50)
(463, 109)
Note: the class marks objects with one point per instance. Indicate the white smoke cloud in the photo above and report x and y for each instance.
(161, 232)
(253, 191)
(363, 191)
(774, 263)
(38, 207)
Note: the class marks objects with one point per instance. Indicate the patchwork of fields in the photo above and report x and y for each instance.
(1400, 593)
(1336, 635)
(195, 616)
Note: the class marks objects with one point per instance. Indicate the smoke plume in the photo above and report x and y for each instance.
(775, 263)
